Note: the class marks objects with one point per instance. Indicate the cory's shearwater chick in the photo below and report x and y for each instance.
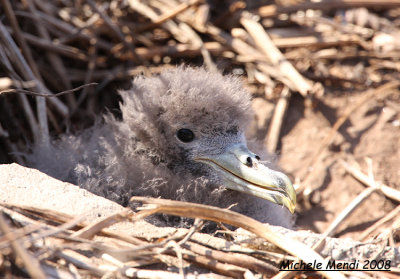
(181, 137)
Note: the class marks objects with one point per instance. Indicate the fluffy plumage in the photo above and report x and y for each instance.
(142, 155)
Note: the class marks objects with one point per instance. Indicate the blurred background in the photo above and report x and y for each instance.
(324, 76)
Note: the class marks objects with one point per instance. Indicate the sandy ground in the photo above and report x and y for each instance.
(372, 131)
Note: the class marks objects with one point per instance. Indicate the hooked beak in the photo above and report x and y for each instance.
(243, 172)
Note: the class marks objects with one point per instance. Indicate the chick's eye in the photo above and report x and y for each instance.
(185, 135)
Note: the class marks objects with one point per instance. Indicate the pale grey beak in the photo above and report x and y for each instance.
(243, 172)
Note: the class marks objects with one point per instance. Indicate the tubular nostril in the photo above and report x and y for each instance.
(249, 162)
(258, 157)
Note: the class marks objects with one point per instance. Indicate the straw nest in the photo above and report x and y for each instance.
(61, 61)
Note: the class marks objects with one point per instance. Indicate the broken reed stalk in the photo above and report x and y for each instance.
(55, 61)
(89, 231)
(235, 259)
(56, 48)
(115, 29)
(277, 120)
(19, 37)
(275, 56)
(31, 263)
(167, 15)
(348, 210)
(324, 5)
(353, 205)
(386, 190)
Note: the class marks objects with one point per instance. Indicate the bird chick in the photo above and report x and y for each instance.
(181, 137)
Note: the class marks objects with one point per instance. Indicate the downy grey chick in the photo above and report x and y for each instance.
(181, 137)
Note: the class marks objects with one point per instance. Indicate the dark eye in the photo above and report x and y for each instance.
(185, 135)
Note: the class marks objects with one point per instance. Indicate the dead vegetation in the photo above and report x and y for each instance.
(67, 246)
(339, 58)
